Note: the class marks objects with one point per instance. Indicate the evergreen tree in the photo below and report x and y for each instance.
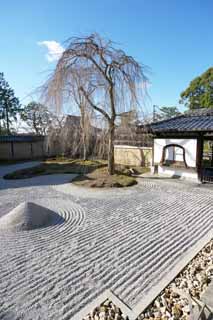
(167, 113)
(9, 106)
(199, 93)
(37, 116)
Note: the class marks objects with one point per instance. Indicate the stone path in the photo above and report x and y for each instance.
(126, 240)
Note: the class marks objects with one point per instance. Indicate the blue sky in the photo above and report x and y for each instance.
(173, 37)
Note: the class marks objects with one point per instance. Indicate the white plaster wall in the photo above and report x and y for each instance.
(190, 146)
(171, 172)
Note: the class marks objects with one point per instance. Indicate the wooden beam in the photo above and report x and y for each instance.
(12, 149)
(199, 156)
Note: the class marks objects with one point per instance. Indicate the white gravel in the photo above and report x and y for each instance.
(125, 240)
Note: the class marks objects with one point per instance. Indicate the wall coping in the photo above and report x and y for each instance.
(121, 146)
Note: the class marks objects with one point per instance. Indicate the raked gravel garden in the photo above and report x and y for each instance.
(131, 241)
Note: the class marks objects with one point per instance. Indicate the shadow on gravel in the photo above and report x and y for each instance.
(8, 316)
(160, 178)
(45, 180)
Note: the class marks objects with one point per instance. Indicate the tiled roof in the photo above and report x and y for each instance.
(196, 120)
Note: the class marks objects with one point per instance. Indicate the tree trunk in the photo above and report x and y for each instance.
(7, 121)
(34, 124)
(111, 162)
(84, 147)
(83, 133)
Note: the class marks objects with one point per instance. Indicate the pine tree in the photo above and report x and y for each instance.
(9, 106)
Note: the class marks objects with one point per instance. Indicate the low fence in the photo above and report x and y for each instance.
(21, 147)
(34, 147)
(133, 156)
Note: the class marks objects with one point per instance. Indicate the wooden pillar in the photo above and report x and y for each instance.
(42, 148)
(153, 155)
(199, 156)
(12, 149)
(212, 154)
(31, 149)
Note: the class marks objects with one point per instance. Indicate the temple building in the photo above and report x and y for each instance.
(183, 145)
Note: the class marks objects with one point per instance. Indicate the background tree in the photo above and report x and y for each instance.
(199, 93)
(37, 117)
(9, 106)
(167, 113)
(112, 80)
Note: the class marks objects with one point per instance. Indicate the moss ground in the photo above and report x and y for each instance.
(91, 173)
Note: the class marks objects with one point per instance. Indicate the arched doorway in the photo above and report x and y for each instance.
(173, 154)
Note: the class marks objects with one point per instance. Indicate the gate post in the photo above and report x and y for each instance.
(199, 157)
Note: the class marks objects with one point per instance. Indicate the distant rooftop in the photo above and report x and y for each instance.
(199, 120)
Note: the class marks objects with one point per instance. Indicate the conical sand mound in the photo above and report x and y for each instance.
(28, 216)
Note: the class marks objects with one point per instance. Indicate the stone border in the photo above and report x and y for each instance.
(135, 312)
(190, 254)
(106, 295)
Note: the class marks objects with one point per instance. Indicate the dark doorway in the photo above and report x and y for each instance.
(207, 161)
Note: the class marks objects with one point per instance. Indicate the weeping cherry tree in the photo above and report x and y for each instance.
(104, 77)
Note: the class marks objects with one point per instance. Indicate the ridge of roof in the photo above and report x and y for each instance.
(200, 112)
(187, 114)
(194, 120)
(166, 120)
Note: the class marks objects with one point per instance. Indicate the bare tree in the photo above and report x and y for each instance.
(109, 80)
(76, 80)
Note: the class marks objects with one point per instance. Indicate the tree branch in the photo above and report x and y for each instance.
(94, 106)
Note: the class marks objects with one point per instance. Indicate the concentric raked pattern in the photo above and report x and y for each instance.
(126, 243)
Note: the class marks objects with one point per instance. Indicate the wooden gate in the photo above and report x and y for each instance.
(207, 175)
